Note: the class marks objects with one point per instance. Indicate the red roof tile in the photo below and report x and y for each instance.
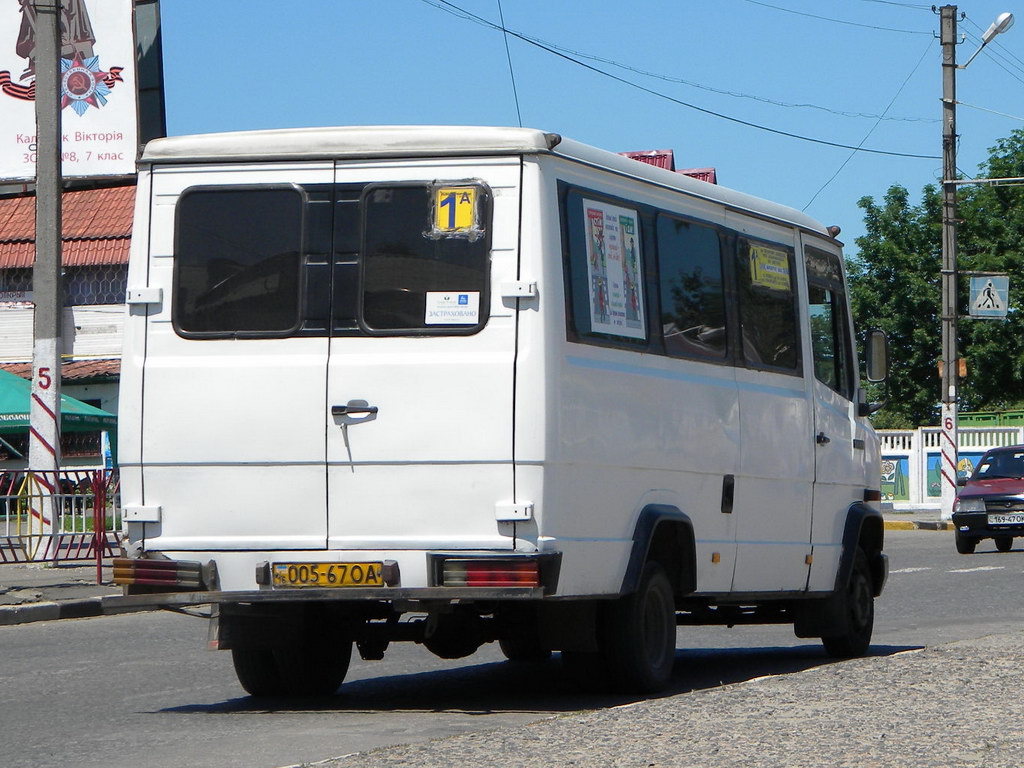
(72, 370)
(661, 158)
(97, 227)
(709, 175)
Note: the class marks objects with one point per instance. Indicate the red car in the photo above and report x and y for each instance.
(990, 503)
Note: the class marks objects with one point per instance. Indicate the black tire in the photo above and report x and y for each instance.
(257, 671)
(964, 544)
(1004, 543)
(313, 671)
(858, 609)
(293, 669)
(523, 650)
(639, 635)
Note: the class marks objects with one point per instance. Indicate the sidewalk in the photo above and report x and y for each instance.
(917, 519)
(43, 592)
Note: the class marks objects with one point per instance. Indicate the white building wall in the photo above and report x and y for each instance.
(88, 332)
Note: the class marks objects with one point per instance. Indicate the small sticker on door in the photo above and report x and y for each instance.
(453, 308)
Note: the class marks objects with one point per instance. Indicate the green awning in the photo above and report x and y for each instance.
(75, 416)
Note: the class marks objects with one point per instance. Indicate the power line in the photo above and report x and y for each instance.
(672, 79)
(868, 134)
(674, 100)
(835, 21)
(917, 6)
(466, 16)
(511, 71)
(998, 60)
(991, 111)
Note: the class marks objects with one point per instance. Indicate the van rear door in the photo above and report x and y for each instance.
(234, 382)
(422, 355)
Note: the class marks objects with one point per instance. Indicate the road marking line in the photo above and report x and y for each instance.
(910, 570)
(980, 568)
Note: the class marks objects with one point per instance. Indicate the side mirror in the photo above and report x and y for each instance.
(877, 369)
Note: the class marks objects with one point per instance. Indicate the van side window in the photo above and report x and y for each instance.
(606, 270)
(238, 261)
(692, 289)
(830, 338)
(414, 278)
(768, 316)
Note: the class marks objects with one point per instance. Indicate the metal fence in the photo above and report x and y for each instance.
(59, 516)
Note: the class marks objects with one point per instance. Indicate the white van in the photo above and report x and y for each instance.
(455, 385)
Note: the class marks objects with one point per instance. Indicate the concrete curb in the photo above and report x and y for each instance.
(64, 609)
(918, 525)
(78, 608)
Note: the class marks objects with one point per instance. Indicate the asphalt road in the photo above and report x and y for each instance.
(140, 690)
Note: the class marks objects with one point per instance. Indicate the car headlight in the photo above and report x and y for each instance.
(970, 505)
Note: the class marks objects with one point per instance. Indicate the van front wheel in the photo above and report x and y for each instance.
(640, 635)
(858, 607)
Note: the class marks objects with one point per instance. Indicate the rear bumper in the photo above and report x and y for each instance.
(482, 576)
(130, 603)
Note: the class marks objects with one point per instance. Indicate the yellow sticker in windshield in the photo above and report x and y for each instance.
(769, 268)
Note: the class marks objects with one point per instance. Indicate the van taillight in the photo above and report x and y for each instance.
(172, 574)
(491, 572)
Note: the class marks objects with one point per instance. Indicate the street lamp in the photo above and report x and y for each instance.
(950, 357)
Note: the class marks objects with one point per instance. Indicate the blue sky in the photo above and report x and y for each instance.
(246, 64)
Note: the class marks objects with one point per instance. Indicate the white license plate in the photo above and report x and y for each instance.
(1007, 518)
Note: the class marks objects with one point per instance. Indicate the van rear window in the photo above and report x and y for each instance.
(238, 261)
(425, 257)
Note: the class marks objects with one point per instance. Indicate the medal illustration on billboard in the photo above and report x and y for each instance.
(83, 82)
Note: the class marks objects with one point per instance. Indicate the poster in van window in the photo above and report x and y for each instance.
(614, 270)
(98, 105)
(769, 268)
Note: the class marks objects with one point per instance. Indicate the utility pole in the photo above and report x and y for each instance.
(44, 416)
(950, 357)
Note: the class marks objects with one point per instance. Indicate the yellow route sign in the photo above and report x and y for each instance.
(455, 209)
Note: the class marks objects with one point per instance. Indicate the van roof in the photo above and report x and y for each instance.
(355, 142)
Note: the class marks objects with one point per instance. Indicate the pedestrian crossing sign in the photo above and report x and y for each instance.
(990, 296)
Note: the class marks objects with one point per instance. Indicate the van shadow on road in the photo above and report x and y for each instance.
(504, 687)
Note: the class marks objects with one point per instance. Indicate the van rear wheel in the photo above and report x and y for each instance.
(1004, 543)
(256, 670)
(640, 635)
(293, 668)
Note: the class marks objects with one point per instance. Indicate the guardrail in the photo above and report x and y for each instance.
(59, 516)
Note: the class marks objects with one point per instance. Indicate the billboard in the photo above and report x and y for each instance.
(99, 122)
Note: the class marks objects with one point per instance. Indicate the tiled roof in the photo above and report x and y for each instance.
(665, 158)
(73, 370)
(97, 227)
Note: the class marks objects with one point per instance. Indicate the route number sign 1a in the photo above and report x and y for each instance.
(455, 209)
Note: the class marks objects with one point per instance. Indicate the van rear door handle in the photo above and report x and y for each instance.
(822, 439)
(352, 410)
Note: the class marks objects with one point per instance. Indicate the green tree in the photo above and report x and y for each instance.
(895, 286)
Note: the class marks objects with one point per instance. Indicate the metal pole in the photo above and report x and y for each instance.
(44, 417)
(950, 358)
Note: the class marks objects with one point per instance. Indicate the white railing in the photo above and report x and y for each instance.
(911, 460)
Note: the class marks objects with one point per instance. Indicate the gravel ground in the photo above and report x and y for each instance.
(954, 705)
